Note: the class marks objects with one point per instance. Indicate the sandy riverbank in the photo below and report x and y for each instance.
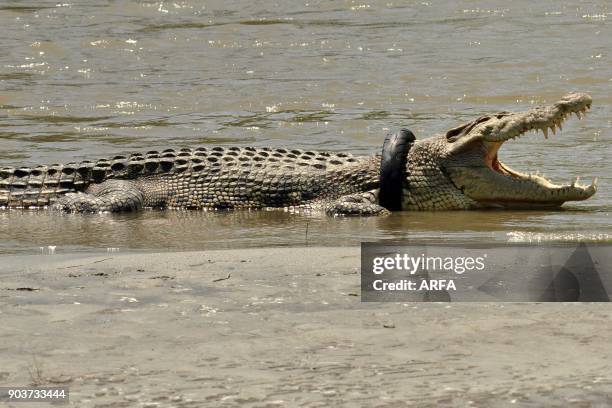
(282, 327)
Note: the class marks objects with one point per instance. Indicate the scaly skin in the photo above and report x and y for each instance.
(459, 170)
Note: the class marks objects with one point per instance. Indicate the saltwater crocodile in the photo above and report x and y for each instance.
(458, 170)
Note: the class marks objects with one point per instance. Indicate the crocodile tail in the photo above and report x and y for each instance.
(27, 187)
(6, 174)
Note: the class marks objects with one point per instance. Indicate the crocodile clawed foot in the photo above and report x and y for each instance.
(109, 196)
(362, 204)
(340, 208)
(78, 203)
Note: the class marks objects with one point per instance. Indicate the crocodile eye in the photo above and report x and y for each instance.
(455, 132)
(464, 129)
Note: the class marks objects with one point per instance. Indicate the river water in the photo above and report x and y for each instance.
(84, 79)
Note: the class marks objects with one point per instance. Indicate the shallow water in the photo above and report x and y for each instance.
(88, 79)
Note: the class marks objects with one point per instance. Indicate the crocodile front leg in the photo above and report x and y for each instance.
(108, 196)
(357, 204)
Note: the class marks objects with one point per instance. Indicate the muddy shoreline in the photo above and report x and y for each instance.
(281, 327)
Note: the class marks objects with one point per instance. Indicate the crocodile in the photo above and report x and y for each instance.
(458, 170)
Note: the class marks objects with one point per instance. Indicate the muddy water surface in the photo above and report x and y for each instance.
(84, 79)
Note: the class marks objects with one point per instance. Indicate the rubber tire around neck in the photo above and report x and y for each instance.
(393, 168)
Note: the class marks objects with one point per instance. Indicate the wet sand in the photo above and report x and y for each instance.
(282, 327)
